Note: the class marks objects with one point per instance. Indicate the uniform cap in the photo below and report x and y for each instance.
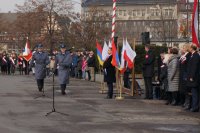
(62, 46)
(40, 46)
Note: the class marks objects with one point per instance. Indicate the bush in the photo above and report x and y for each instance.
(141, 56)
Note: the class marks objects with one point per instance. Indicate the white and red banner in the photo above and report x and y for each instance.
(129, 55)
(27, 54)
(195, 24)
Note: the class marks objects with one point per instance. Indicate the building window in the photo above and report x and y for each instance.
(125, 13)
(134, 13)
(120, 12)
(138, 13)
(143, 12)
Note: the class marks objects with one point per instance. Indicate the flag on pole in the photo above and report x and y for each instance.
(105, 54)
(99, 53)
(123, 66)
(115, 60)
(129, 55)
(27, 54)
(109, 44)
(195, 24)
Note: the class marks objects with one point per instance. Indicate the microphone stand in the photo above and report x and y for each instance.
(53, 102)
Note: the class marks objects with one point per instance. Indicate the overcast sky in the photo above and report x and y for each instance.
(9, 5)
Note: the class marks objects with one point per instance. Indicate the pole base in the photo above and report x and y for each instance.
(119, 98)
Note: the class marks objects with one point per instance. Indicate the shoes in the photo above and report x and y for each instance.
(40, 89)
(194, 110)
(167, 103)
(63, 93)
(108, 97)
(187, 108)
(174, 103)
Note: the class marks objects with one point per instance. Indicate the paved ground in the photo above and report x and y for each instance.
(88, 111)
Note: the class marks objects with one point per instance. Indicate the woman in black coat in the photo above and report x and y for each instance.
(109, 74)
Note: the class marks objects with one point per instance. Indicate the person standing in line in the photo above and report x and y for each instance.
(63, 61)
(91, 66)
(173, 76)
(4, 63)
(84, 65)
(13, 61)
(183, 61)
(109, 74)
(20, 64)
(148, 71)
(41, 61)
(193, 77)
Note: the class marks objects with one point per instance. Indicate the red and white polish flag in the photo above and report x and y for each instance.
(195, 24)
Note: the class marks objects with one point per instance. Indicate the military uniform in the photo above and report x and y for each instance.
(63, 61)
(41, 61)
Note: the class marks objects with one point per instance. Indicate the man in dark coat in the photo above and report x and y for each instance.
(63, 61)
(193, 77)
(41, 61)
(148, 71)
(91, 66)
(109, 74)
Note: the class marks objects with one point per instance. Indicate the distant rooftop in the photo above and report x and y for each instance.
(86, 3)
(8, 17)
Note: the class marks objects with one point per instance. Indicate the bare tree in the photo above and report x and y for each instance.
(47, 13)
(85, 32)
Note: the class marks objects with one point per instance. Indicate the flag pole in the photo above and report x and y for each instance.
(198, 22)
(133, 71)
(102, 90)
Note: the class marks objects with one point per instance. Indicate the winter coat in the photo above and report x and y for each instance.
(41, 61)
(193, 69)
(173, 73)
(91, 61)
(109, 71)
(64, 62)
(148, 65)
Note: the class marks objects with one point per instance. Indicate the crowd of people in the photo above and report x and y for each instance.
(178, 71)
(10, 62)
(179, 76)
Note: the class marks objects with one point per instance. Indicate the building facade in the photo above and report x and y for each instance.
(158, 17)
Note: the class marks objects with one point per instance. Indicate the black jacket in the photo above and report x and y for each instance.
(109, 71)
(193, 70)
(148, 65)
(91, 61)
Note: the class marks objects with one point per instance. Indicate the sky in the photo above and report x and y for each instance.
(9, 5)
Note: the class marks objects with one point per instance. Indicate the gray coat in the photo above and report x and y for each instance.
(173, 73)
(41, 61)
(63, 61)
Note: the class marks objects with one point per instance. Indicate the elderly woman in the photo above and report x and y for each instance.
(183, 61)
(173, 76)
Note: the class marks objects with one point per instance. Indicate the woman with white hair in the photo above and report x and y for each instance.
(173, 76)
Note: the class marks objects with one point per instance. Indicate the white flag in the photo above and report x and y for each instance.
(105, 51)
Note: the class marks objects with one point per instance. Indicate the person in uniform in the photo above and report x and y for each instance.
(41, 61)
(63, 61)
(13, 60)
(20, 64)
(109, 74)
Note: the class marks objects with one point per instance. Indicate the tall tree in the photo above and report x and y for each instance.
(46, 13)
